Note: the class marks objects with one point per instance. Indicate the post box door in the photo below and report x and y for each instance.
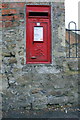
(38, 41)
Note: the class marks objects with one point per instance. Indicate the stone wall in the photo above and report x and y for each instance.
(36, 85)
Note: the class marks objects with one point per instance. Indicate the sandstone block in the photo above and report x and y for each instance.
(12, 60)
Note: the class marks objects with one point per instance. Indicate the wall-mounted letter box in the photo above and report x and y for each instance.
(38, 34)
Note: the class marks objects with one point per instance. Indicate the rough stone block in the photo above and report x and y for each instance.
(12, 60)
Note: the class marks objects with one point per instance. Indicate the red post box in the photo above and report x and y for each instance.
(38, 34)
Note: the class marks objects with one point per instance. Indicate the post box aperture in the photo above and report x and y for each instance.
(38, 34)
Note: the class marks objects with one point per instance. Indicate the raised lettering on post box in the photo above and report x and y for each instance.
(38, 34)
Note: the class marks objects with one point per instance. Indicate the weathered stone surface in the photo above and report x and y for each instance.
(57, 100)
(36, 90)
(40, 102)
(12, 60)
(73, 65)
(4, 82)
(6, 54)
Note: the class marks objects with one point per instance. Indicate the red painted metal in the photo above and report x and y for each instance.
(38, 51)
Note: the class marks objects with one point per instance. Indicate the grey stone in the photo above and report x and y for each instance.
(57, 100)
(12, 60)
(73, 65)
